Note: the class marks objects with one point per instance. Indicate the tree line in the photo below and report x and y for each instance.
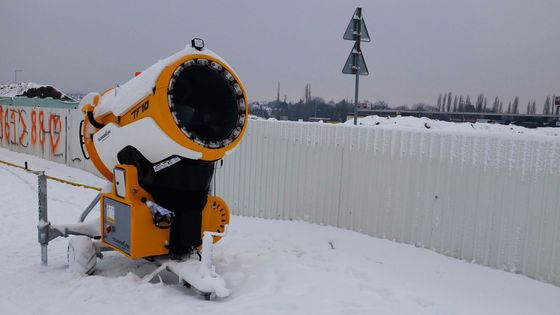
(316, 107)
(447, 103)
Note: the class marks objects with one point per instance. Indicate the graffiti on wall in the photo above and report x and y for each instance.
(10, 119)
(30, 127)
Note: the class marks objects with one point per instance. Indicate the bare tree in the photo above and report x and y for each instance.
(455, 102)
(515, 107)
(546, 107)
(307, 96)
(534, 111)
(479, 102)
(496, 105)
(449, 104)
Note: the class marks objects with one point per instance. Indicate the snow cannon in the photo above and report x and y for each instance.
(158, 138)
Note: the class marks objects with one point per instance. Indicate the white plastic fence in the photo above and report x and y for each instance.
(490, 199)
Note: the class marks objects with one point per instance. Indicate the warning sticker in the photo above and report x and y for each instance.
(167, 163)
(110, 213)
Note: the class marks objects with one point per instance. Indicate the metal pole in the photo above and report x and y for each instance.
(15, 75)
(356, 99)
(358, 25)
(66, 146)
(89, 208)
(43, 221)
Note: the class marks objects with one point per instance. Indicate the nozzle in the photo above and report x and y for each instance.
(206, 103)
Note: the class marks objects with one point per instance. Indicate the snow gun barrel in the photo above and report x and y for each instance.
(191, 105)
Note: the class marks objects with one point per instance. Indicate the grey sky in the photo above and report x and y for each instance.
(420, 48)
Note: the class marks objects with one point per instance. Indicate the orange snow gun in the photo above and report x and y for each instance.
(158, 138)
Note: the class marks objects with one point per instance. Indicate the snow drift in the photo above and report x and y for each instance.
(423, 123)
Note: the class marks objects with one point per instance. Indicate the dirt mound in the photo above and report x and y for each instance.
(44, 92)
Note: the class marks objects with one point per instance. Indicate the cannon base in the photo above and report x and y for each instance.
(126, 225)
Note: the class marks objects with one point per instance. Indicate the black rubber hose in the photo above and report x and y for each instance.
(82, 143)
(93, 122)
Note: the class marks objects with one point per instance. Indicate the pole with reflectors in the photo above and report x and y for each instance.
(355, 63)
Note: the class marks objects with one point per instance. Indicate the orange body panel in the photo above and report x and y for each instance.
(90, 147)
(215, 216)
(145, 238)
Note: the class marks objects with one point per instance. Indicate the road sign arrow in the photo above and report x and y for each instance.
(357, 27)
(355, 63)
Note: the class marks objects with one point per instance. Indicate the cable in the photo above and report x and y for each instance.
(52, 177)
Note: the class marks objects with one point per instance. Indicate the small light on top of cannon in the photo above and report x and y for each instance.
(197, 43)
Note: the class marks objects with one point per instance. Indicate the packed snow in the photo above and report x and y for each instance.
(423, 123)
(12, 90)
(271, 267)
(121, 98)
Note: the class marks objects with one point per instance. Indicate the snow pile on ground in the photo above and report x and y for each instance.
(12, 90)
(31, 89)
(272, 267)
(423, 123)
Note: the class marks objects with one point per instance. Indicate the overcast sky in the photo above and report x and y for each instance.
(420, 48)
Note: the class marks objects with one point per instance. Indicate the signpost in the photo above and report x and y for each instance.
(355, 63)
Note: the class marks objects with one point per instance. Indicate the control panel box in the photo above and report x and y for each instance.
(127, 224)
(116, 220)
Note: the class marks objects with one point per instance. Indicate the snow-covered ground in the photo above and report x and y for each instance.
(423, 123)
(272, 267)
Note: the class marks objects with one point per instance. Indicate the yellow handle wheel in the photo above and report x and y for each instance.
(215, 216)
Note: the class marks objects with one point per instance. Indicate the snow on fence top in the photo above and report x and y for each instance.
(426, 124)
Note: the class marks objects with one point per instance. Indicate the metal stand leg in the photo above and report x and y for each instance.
(43, 220)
